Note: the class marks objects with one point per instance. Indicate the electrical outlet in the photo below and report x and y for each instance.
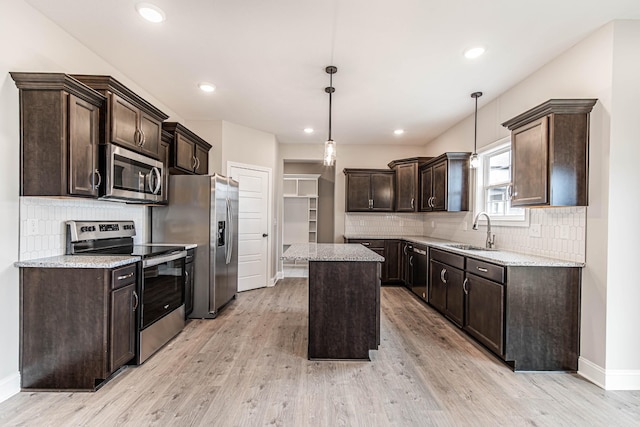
(535, 230)
(32, 227)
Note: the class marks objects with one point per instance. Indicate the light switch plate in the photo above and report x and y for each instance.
(535, 230)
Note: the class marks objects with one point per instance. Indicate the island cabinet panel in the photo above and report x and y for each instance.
(77, 325)
(344, 309)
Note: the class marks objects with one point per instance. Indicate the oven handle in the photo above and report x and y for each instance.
(150, 262)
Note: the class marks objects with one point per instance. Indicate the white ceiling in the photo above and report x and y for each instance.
(400, 62)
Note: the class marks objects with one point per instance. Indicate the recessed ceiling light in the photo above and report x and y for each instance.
(206, 87)
(398, 131)
(150, 12)
(474, 52)
(308, 130)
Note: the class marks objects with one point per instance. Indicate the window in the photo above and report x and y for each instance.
(493, 178)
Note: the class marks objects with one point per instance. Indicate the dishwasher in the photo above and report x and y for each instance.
(417, 270)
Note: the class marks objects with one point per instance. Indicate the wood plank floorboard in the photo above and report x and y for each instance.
(249, 367)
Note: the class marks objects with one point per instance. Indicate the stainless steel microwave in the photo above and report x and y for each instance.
(132, 177)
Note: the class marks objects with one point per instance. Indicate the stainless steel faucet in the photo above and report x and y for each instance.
(490, 237)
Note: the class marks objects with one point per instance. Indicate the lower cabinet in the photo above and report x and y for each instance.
(90, 329)
(391, 250)
(484, 307)
(529, 316)
(446, 284)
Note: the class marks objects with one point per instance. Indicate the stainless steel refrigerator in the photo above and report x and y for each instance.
(203, 209)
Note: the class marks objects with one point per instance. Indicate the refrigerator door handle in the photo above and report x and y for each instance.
(229, 230)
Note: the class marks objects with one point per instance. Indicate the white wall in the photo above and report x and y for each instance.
(241, 144)
(623, 293)
(30, 43)
(604, 65)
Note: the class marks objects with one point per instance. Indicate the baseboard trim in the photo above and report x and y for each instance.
(9, 386)
(609, 379)
(272, 282)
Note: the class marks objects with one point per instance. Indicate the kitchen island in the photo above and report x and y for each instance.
(344, 299)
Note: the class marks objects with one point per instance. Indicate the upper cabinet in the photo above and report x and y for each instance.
(189, 153)
(407, 183)
(444, 183)
(369, 190)
(59, 124)
(550, 146)
(127, 119)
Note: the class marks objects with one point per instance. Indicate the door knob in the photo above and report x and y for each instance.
(265, 235)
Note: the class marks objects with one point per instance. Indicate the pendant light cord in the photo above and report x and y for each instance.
(330, 92)
(475, 132)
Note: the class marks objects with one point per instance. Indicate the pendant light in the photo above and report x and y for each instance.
(474, 161)
(330, 145)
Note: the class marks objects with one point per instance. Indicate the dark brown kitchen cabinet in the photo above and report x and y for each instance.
(444, 183)
(127, 119)
(407, 183)
(369, 190)
(484, 303)
(446, 279)
(189, 152)
(391, 250)
(59, 124)
(550, 154)
(78, 325)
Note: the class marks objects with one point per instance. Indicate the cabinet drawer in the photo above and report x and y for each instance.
(486, 270)
(123, 276)
(375, 243)
(448, 258)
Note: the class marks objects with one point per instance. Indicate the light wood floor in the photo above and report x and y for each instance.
(248, 367)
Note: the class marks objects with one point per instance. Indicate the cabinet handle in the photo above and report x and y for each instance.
(143, 138)
(412, 199)
(370, 203)
(484, 270)
(442, 275)
(365, 243)
(137, 300)
(510, 192)
(136, 137)
(404, 249)
(126, 276)
(411, 260)
(195, 162)
(97, 172)
(464, 286)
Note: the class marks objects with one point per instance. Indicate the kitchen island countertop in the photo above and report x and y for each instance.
(330, 252)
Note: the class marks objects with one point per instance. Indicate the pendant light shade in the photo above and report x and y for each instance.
(329, 158)
(474, 161)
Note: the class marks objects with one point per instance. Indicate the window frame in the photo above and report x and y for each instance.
(480, 190)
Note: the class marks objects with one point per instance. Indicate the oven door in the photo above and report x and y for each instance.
(162, 287)
(132, 177)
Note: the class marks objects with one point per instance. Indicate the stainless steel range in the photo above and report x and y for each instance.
(160, 314)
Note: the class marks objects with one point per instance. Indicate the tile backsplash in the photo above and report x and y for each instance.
(384, 224)
(562, 230)
(42, 222)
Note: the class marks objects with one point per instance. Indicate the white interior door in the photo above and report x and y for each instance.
(253, 226)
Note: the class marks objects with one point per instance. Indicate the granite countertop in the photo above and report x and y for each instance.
(497, 256)
(79, 261)
(330, 252)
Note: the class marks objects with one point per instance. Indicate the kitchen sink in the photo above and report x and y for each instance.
(468, 247)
